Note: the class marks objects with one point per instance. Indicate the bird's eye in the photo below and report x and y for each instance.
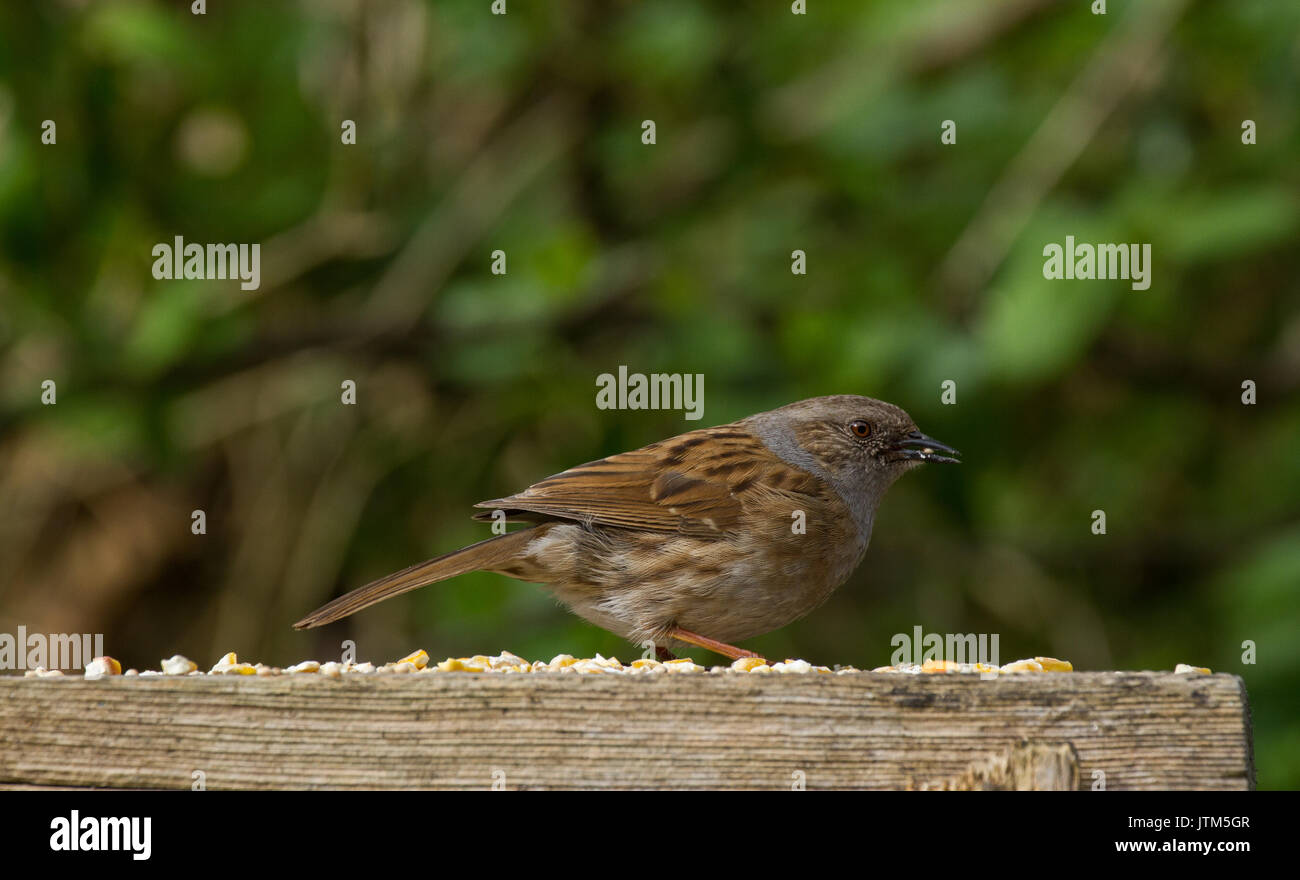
(860, 428)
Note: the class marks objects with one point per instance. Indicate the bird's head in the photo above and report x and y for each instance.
(859, 443)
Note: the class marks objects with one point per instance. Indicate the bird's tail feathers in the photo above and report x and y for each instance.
(483, 555)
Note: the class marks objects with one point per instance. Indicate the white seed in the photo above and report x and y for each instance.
(178, 665)
(101, 666)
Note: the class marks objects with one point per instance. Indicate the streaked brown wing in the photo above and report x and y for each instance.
(692, 484)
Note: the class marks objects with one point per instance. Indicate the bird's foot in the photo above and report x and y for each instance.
(712, 644)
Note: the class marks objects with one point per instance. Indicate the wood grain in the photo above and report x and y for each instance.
(1023, 767)
(465, 731)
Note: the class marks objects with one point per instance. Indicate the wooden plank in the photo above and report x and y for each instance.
(460, 730)
(1023, 767)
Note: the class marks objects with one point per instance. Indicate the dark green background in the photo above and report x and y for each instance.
(775, 132)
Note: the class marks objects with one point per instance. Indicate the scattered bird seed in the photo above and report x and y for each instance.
(417, 662)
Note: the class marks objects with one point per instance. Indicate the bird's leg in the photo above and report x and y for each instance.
(663, 654)
(712, 644)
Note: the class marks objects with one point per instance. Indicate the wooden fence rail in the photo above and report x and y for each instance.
(681, 731)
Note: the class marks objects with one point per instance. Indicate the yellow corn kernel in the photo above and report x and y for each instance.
(1022, 666)
(745, 664)
(1184, 669)
(1051, 664)
(419, 659)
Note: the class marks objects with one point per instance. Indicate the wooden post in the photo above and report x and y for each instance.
(1108, 730)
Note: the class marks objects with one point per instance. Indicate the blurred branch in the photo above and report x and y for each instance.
(1141, 361)
(513, 160)
(799, 108)
(329, 235)
(1126, 58)
(971, 32)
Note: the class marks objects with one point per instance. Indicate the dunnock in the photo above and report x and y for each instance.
(707, 538)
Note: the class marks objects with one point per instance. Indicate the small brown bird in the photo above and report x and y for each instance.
(707, 538)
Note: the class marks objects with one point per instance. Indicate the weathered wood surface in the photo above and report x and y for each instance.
(1023, 767)
(457, 730)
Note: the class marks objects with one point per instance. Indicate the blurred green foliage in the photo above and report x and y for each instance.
(775, 132)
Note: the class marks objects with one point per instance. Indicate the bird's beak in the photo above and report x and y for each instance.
(920, 447)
